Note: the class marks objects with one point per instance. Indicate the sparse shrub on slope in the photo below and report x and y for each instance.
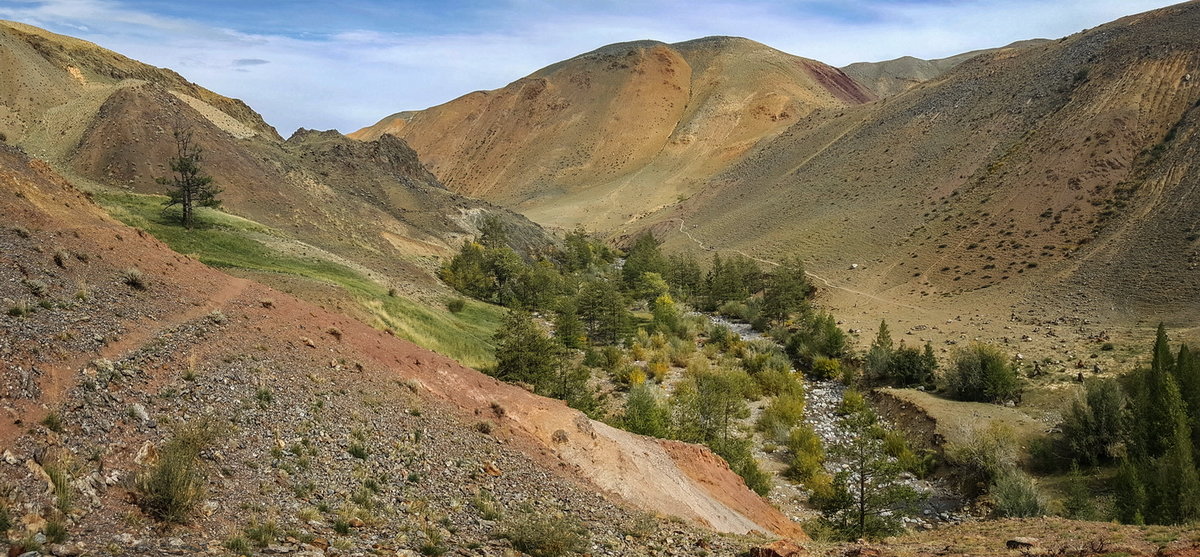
(543, 534)
(170, 489)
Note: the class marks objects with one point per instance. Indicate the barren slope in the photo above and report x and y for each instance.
(892, 77)
(610, 135)
(109, 119)
(371, 207)
(1058, 177)
(195, 342)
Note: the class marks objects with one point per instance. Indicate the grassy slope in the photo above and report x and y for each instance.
(228, 241)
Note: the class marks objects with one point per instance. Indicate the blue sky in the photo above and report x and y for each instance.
(346, 64)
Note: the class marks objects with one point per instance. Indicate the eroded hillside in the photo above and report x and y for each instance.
(370, 211)
(340, 433)
(610, 135)
(1056, 177)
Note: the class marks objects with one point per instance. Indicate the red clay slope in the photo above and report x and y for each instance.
(664, 477)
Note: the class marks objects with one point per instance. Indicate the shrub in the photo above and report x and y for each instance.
(982, 373)
(263, 533)
(172, 487)
(56, 529)
(134, 278)
(1015, 495)
(357, 450)
(61, 257)
(238, 545)
(782, 413)
(985, 455)
(53, 422)
(544, 535)
(826, 368)
(456, 305)
(808, 456)
(20, 309)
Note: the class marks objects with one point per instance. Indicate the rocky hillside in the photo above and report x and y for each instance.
(312, 430)
(892, 77)
(1052, 178)
(605, 137)
(108, 121)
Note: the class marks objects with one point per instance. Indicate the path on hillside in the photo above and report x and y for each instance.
(60, 377)
(823, 280)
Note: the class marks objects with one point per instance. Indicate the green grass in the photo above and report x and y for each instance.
(227, 241)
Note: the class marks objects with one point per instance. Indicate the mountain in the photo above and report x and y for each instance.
(368, 210)
(892, 77)
(986, 183)
(610, 135)
(108, 119)
(1055, 178)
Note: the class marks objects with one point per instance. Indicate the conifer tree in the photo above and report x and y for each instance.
(786, 291)
(568, 329)
(868, 499)
(880, 353)
(1173, 496)
(189, 186)
(1130, 500)
(524, 353)
(1160, 405)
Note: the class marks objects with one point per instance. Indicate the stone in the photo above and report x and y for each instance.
(1021, 543)
(66, 549)
(10, 458)
(146, 455)
(780, 548)
(139, 411)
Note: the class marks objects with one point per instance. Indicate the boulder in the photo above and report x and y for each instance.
(780, 548)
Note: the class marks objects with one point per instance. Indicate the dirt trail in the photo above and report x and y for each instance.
(828, 283)
(61, 376)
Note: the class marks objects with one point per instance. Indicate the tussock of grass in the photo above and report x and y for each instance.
(228, 241)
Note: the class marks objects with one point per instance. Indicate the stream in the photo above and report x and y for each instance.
(942, 505)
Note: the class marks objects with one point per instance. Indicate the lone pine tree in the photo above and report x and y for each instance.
(189, 186)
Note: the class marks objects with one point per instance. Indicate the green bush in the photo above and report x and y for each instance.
(807, 455)
(456, 305)
(782, 413)
(982, 373)
(1015, 495)
(544, 534)
(983, 457)
(826, 368)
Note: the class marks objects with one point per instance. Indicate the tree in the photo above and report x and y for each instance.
(492, 232)
(190, 187)
(868, 500)
(524, 353)
(683, 274)
(786, 291)
(1079, 498)
(879, 356)
(603, 311)
(644, 413)
(643, 257)
(568, 329)
(666, 314)
(910, 367)
(1130, 502)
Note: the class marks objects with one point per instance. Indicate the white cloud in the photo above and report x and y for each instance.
(352, 77)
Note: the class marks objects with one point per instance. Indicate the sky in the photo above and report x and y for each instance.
(328, 64)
